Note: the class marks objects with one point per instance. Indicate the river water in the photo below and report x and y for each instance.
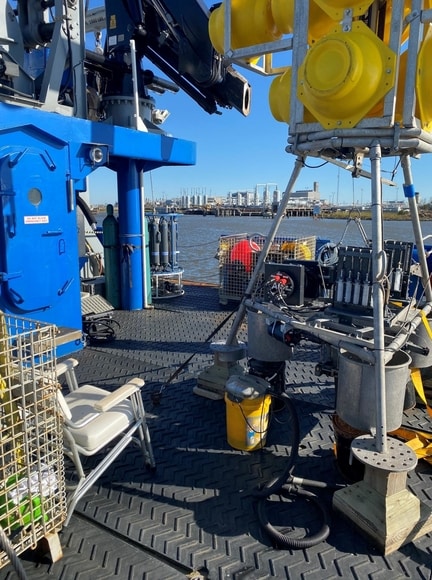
(198, 237)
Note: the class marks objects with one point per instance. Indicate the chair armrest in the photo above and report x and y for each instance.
(119, 395)
(67, 415)
(66, 365)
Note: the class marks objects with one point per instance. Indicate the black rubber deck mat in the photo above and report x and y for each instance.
(197, 512)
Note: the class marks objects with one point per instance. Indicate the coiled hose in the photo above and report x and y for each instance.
(286, 485)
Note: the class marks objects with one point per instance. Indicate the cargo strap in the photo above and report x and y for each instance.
(419, 441)
(418, 385)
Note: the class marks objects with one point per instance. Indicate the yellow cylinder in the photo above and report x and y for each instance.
(424, 81)
(251, 23)
(247, 422)
(344, 75)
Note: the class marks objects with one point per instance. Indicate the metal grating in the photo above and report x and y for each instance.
(95, 304)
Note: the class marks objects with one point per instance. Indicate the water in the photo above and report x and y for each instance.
(199, 237)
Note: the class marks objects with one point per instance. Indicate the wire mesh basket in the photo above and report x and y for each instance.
(32, 481)
(238, 255)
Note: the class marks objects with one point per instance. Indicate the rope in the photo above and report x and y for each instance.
(156, 397)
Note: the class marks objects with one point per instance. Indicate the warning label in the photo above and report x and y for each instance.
(36, 219)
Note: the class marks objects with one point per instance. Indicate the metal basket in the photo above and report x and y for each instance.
(238, 255)
(32, 481)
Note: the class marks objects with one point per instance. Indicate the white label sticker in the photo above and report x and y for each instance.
(36, 219)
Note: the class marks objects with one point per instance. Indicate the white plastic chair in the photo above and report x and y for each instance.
(95, 418)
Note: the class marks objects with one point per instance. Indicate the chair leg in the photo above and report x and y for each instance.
(143, 432)
(86, 483)
(146, 446)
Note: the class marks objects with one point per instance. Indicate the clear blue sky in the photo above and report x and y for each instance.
(236, 153)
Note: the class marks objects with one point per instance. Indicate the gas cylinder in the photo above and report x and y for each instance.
(173, 238)
(164, 246)
(154, 242)
(110, 230)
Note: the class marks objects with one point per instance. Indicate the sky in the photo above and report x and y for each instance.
(238, 153)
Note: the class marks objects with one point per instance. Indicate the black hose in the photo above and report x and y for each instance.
(88, 214)
(285, 542)
(280, 486)
(274, 485)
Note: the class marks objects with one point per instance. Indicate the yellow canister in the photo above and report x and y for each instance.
(247, 412)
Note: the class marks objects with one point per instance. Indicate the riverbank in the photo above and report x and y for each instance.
(402, 216)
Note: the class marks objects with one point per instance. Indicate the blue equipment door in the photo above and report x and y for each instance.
(38, 252)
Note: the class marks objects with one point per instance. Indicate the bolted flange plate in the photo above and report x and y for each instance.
(398, 457)
(228, 352)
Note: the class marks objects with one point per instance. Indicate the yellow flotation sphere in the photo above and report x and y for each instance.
(336, 8)
(423, 85)
(280, 98)
(251, 24)
(283, 15)
(388, 15)
(319, 22)
(344, 75)
(296, 250)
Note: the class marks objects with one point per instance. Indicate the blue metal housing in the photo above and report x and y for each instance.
(44, 160)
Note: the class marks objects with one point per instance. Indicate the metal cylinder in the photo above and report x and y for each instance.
(111, 245)
(164, 245)
(355, 401)
(154, 242)
(261, 345)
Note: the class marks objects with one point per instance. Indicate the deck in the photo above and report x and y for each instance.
(195, 517)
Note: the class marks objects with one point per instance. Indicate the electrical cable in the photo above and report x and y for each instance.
(156, 397)
(100, 328)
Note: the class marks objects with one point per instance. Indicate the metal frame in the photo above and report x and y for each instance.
(32, 487)
(368, 138)
(90, 404)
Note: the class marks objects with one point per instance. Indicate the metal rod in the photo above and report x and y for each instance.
(378, 269)
(325, 330)
(415, 220)
(232, 338)
(135, 84)
(147, 297)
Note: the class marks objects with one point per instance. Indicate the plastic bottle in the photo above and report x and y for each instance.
(348, 288)
(357, 290)
(340, 287)
(366, 291)
(397, 279)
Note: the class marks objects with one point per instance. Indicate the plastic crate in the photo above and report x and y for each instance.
(32, 480)
(238, 256)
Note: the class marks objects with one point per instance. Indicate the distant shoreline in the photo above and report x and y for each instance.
(425, 215)
(367, 215)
